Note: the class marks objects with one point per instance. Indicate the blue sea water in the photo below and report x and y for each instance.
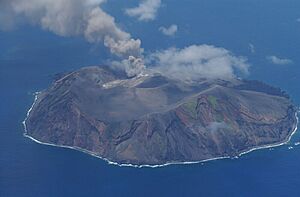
(29, 57)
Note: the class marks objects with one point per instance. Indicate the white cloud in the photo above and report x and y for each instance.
(280, 61)
(251, 48)
(86, 18)
(198, 61)
(145, 11)
(71, 18)
(169, 31)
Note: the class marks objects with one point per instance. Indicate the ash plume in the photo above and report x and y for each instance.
(72, 18)
(86, 18)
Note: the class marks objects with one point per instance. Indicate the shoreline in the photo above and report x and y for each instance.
(289, 137)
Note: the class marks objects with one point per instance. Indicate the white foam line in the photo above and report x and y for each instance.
(30, 109)
(276, 144)
(115, 163)
(151, 166)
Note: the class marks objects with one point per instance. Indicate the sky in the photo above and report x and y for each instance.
(88, 19)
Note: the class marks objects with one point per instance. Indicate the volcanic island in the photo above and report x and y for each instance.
(154, 120)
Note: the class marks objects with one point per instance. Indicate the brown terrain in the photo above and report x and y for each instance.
(152, 119)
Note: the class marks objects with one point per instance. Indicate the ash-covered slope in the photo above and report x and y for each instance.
(152, 119)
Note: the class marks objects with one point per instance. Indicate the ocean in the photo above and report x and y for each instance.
(30, 58)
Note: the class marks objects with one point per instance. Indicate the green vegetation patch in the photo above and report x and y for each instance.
(191, 108)
(213, 101)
